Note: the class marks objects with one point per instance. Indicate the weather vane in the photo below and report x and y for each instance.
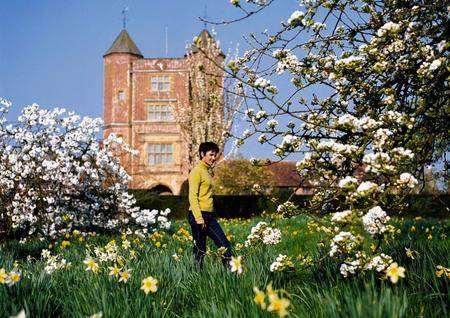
(124, 16)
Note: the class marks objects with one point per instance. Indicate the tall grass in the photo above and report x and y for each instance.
(184, 291)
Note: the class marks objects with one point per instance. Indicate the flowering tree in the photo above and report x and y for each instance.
(240, 177)
(56, 176)
(364, 97)
(212, 100)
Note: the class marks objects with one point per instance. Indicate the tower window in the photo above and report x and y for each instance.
(160, 154)
(159, 113)
(121, 95)
(161, 83)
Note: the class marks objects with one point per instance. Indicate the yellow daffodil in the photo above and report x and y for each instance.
(120, 260)
(409, 253)
(440, 270)
(149, 284)
(279, 305)
(413, 228)
(272, 294)
(3, 276)
(259, 297)
(236, 265)
(114, 271)
(394, 272)
(14, 277)
(125, 275)
(126, 244)
(91, 265)
(221, 250)
(158, 244)
(64, 244)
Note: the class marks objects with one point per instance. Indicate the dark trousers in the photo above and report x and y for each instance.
(214, 231)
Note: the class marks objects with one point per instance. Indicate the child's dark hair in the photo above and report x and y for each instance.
(207, 146)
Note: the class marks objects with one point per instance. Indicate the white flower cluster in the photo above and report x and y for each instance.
(379, 262)
(262, 82)
(362, 262)
(53, 262)
(265, 84)
(287, 208)
(348, 182)
(350, 122)
(110, 252)
(337, 147)
(55, 175)
(290, 143)
(296, 18)
(342, 217)
(366, 188)
(408, 180)
(262, 233)
(146, 218)
(343, 243)
(282, 262)
(350, 267)
(375, 220)
(286, 61)
(256, 118)
(388, 27)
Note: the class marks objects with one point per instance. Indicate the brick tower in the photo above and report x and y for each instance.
(139, 98)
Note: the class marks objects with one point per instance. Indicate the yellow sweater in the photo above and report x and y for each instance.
(200, 190)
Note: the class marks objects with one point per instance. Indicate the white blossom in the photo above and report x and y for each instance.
(375, 220)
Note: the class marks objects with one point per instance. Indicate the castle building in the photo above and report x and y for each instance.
(140, 95)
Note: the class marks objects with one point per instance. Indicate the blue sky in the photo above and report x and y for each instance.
(51, 51)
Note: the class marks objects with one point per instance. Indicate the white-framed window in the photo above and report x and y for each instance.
(160, 83)
(121, 95)
(160, 154)
(159, 113)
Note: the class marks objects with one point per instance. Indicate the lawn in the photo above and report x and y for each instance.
(182, 291)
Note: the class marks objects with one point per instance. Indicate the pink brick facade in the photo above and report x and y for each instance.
(127, 95)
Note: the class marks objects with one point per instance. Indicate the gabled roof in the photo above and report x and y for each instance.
(285, 174)
(124, 44)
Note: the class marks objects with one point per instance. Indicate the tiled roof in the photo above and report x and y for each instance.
(124, 44)
(286, 175)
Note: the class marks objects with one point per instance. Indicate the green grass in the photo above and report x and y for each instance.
(185, 292)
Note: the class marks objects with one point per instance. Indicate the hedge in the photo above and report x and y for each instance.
(246, 206)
